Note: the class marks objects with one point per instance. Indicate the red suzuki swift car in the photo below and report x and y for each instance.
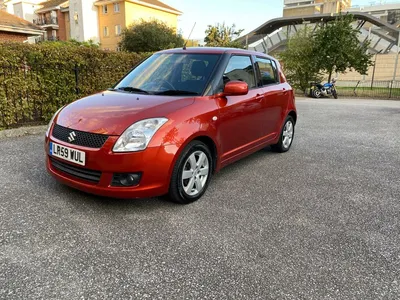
(172, 122)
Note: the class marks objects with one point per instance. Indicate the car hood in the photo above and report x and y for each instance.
(112, 112)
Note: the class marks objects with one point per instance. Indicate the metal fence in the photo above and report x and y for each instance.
(369, 89)
(388, 89)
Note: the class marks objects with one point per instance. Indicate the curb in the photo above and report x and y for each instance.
(22, 131)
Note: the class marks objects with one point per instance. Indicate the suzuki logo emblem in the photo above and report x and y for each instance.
(72, 136)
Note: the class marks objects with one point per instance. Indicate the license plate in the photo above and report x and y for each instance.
(67, 153)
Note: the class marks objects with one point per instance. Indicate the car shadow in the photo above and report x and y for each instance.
(83, 200)
(248, 160)
(80, 198)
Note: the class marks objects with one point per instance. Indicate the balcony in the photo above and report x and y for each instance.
(45, 22)
(298, 2)
(52, 38)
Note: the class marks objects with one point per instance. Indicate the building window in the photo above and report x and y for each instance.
(116, 7)
(105, 9)
(118, 49)
(117, 30)
(105, 31)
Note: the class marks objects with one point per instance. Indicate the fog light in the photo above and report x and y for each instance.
(126, 179)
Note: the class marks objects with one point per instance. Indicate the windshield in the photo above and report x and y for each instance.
(170, 74)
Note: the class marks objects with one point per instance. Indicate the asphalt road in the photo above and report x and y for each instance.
(319, 222)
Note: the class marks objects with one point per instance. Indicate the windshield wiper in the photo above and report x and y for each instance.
(130, 89)
(175, 93)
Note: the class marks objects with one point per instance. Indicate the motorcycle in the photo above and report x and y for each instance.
(319, 90)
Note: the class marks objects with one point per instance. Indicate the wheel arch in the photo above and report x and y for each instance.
(209, 142)
(293, 114)
(204, 138)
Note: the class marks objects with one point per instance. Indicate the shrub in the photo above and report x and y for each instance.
(35, 80)
(150, 35)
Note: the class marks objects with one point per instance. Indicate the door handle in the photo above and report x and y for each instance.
(259, 97)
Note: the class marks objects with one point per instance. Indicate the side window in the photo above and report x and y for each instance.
(268, 71)
(274, 65)
(240, 68)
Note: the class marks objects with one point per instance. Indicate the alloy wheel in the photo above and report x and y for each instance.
(287, 134)
(195, 173)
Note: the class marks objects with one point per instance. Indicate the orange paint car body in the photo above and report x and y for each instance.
(232, 126)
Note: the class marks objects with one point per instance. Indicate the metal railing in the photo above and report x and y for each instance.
(388, 89)
(383, 89)
(52, 38)
(46, 21)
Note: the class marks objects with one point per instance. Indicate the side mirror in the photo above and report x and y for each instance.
(236, 88)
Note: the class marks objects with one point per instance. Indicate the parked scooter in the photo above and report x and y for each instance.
(319, 90)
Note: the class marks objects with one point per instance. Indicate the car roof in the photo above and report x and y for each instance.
(215, 50)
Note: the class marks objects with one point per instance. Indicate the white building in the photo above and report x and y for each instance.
(84, 24)
(24, 9)
(76, 19)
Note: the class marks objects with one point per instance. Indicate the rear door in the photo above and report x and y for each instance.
(274, 92)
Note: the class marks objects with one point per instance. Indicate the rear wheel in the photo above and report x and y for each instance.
(317, 93)
(286, 137)
(191, 174)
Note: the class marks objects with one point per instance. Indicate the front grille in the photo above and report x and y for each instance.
(80, 138)
(89, 175)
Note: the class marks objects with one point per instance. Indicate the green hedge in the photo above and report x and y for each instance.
(35, 80)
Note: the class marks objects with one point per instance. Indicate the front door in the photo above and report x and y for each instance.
(241, 117)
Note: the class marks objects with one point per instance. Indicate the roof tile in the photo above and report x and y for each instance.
(7, 19)
(153, 2)
(160, 4)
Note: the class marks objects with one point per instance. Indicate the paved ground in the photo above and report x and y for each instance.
(319, 222)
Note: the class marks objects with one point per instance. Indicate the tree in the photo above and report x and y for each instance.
(298, 60)
(221, 35)
(149, 36)
(334, 47)
(338, 48)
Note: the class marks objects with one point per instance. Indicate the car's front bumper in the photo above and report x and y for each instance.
(154, 164)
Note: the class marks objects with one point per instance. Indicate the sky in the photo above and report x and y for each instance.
(245, 14)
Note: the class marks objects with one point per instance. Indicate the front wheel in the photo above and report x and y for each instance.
(192, 173)
(286, 137)
(334, 93)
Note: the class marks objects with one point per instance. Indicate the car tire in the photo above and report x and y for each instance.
(286, 136)
(192, 173)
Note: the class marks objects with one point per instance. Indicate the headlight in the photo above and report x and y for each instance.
(138, 135)
(52, 120)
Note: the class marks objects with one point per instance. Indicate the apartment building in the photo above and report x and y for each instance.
(295, 8)
(52, 17)
(116, 15)
(100, 21)
(387, 12)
